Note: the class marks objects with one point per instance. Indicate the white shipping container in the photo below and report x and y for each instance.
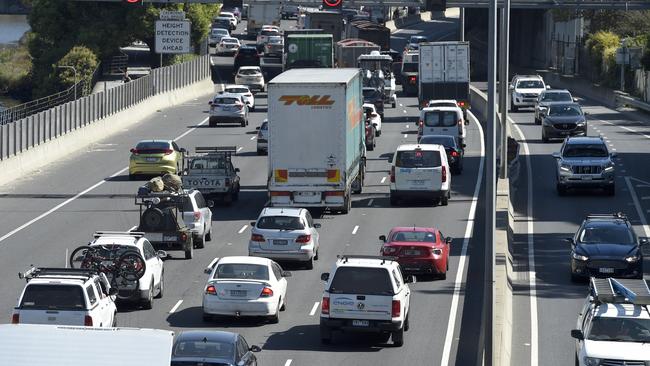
(444, 62)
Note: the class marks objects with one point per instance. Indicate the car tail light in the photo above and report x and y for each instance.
(392, 174)
(168, 151)
(211, 290)
(334, 193)
(239, 105)
(15, 319)
(183, 237)
(257, 238)
(436, 251)
(303, 239)
(88, 321)
(280, 194)
(266, 292)
(135, 151)
(396, 309)
(454, 154)
(197, 215)
(444, 174)
(325, 305)
(389, 250)
(412, 79)
(461, 104)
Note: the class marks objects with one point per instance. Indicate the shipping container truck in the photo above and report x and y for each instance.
(444, 72)
(369, 31)
(329, 21)
(262, 13)
(347, 51)
(316, 138)
(309, 51)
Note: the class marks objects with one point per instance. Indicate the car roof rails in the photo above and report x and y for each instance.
(136, 234)
(346, 257)
(616, 215)
(47, 271)
(620, 291)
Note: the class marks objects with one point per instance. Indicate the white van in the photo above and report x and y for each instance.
(442, 121)
(420, 171)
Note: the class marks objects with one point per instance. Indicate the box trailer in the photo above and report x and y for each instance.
(444, 72)
(262, 13)
(369, 31)
(309, 50)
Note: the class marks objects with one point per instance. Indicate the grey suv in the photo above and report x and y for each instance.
(585, 162)
(548, 98)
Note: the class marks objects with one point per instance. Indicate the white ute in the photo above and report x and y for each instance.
(365, 294)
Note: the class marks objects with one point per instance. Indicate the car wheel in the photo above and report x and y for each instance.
(148, 302)
(513, 107)
(161, 287)
(610, 190)
(310, 263)
(538, 121)
(114, 320)
(544, 137)
(284, 303)
(208, 236)
(189, 253)
(407, 324)
(316, 254)
(132, 176)
(235, 196)
(260, 152)
(444, 200)
(575, 278)
(561, 190)
(199, 242)
(398, 337)
(252, 108)
(443, 276)
(212, 122)
(325, 335)
(275, 319)
(227, 199)
(244, 123)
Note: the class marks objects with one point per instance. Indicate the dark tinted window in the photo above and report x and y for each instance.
(530, 84)
(242, 271)
(371, 94)
(220, 100)
(249, 72)
(440, 119)
(204, 348)
(410, 67)
(446, 141)
(236, 90)
(247, 51)
(414, 236)
(556, 97)
(584, 150)
(280, 223)
(564, 111)
(417, 159)
(55, 297)
(619, 329)
(91, 295)
(270, 33)
(362, 281)
(608, 234)
(153, 146)
(198, 363)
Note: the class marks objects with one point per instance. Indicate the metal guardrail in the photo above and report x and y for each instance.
(627, 100)
(50, 123)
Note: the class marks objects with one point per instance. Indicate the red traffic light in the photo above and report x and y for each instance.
(133, 1)
(332, 4)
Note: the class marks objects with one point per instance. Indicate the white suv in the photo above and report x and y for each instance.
(250, 76)
(197, 215)
(65, 296)
(420, 171)
(365, 294)
(524, 91)
(152, 283)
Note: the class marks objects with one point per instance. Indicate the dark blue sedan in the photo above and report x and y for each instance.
(212, 348)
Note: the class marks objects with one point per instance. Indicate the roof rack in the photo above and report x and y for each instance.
(617, 215)
(46, 271)
(619, 291)
(137, 234)
(383, 259)
(215, 149)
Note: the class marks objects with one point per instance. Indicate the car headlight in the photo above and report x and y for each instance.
(608, 168)
(580, 124)
(591, 361)
(565, 168)
(632, 259)
(579, 257)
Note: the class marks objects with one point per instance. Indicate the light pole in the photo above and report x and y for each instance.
(75, 77)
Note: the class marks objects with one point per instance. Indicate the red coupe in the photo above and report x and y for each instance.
(419, 250)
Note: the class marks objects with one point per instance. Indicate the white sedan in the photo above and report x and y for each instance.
(244, 91)
(228, 45)
(244, 286)
(250, 76)
(375, 118)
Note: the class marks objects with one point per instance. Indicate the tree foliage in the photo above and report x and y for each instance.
(83, 60)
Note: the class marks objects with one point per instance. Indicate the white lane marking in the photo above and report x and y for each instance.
(354, 231)
(65, 260)
(383, 180)
(637, 205)
(66, 202)
(314, 308)
(371, 201)
(458, 282)
(288, 363)
(401, 105)
(627, 129)
(407, 126)
(239, 149)
(253, 138)
(534, 333)
(176, 306)
(405, 135)
(645, 198)
(643, 185)
(133, 228)
(404, 111)
(242, 229)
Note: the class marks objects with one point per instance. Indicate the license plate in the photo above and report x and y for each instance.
(411, 252)
(586, 178)
(418, 182)
(360, 323)
(238, 293)
(154, 236)
(306, 193)
(151, 159)
(606, 270)
(51, 318)
(169, 238)
(280, 242)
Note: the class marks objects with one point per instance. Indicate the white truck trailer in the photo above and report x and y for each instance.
(444, 72)
(316, 138)
(262, 13)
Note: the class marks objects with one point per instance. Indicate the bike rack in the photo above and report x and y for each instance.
(383, 259)
(620, 291)
(48, 271)
(617, 215)
(136, 234)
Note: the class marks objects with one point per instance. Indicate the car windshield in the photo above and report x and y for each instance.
(229, 40)
(219, 32)
(237, 90)
(619, 330)
(585, 151)
(53, 297)
(264, 126)
(275, 40)
(204, 348)
(416, 39)
(446, 141)
(371, 94)
(211, 163)
(280, 223)
(530, 84)
(410, 67)
(564, 111)
(152, 147)
(269, 32)
(247, 50)
(242, 271)
(417, 159)
(414, 236)
(442, 104)
(361, 281)
(222, 100)
(610, 234)
(249, 72)
(440, 119)
(556, 97)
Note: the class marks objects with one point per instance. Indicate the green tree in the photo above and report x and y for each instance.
(83, 60)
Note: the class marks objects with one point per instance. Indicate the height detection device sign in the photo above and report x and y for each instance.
(173, 33)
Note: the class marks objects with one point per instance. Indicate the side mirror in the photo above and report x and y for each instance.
(132, 151)
(585, 113)
(207, 270)
(575, 100)
(548, 87)
(210, 203)
(237, 170)
(317, 225)
(511, 87)
(464, 145)
(449, 239)
(253, 223)
(210, 103)
(255, 349)
(577, 334)
(382, 238)
(556, 155)
(569, 240)
(286, 274)
(182, 150)
(613, 154)
(324, 276)
(408, 279)
(162, 254)
(466, 122)
(643, 241)
(112, 291)
(257, 128)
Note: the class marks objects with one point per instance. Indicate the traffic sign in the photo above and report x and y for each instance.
(332, 4)
(172, 15)
(173, 36)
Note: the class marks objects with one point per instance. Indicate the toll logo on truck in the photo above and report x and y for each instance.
(307, 100)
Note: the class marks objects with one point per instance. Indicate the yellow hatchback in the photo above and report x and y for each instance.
(155, 157)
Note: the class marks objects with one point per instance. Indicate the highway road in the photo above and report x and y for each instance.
(47, 214)
(544, 316)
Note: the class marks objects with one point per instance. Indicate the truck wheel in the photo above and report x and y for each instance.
(398, 337)
(513, 107)
(325, 335)
(199, 242)
(444, 200)
(610, 190)
(310, 263)
(347, 205)
(544, 137)
(189, 252)
(393, 200)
